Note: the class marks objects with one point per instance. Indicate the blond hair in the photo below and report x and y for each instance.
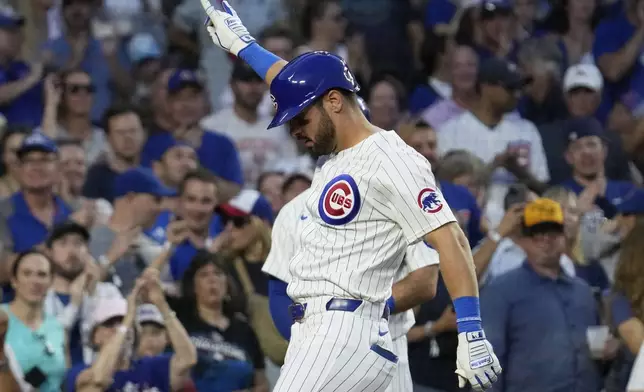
(562, 195)
(629, 274)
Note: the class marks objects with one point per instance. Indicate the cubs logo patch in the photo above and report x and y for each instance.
(340, 201)
(429, 201)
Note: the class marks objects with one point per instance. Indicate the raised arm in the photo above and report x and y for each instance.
(228, 32)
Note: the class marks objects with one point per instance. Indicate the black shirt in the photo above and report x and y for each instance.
(226, 358)
(99, 182)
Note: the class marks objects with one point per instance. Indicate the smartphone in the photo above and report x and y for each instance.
(35, 377)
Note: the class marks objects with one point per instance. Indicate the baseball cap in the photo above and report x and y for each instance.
(577, 128)
(148, 313)
(106, 309)
(584, 76)
(182, 78)
(502, 73)
(10, 19)
(36, 142)
(633, 203)
(542, 213)
(493, 8)
(140, 180)
(244, 73)
(69, 227)
(142, 47)
(249, 202)
(159, 145)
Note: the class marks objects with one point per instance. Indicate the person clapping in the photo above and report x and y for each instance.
(112, 336)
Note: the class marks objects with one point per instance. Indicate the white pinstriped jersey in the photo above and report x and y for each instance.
(285, 242)
(365, 206)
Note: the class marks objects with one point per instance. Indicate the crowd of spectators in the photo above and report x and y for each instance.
(139, 184)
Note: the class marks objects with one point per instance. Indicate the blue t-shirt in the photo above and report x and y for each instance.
(27, 108)
(149, 374)
(184, 252)
(610, 37)
(465, 209)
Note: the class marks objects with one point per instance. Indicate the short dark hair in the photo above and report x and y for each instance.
(292, 179)
(199, 174)
(313, 9)
(276, 31)
(117, 109)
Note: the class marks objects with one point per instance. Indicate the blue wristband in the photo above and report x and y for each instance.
(468, 314)
(391, 302)
(258, 58)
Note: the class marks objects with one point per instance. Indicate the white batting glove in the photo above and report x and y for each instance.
(226, 29)
(475, 361)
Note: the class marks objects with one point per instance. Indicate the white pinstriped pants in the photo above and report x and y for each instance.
(338, 351)
(401, 381)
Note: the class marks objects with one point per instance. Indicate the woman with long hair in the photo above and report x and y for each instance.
(68, 112)
(36, 338)
(212, 310)
(9, 143)
(627, 303)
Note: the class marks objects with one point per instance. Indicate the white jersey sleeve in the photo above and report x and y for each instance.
(420, 255)
(284, 242)
(408, 190)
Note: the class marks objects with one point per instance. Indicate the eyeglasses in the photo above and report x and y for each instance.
(77, 88)
(237, 221)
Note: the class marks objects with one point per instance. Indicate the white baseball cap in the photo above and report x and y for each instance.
(583, 75)
(107, 309)
(148, 313)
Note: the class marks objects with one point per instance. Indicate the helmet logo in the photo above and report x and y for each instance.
(349, 76)
(274, 102)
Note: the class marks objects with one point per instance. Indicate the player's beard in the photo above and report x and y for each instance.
(325, 140)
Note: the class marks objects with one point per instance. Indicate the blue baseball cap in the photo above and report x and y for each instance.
(157, 146)
(37, 141)
(142, 47)
(633, 203)
(577, 128)
(181, 78)
(248, 202)
(9, 19)
(140, 180)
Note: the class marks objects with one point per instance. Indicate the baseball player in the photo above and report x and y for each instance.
(420, 268)
(372, 198)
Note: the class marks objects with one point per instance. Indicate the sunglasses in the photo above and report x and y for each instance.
(77, 88)
(237, 221)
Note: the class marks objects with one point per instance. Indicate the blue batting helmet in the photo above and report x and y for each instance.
(365, 109)
(305, 79)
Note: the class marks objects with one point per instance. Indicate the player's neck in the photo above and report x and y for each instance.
(358, 129)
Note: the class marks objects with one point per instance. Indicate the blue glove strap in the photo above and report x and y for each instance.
(391, 302)
(468, 314)
(258, 58)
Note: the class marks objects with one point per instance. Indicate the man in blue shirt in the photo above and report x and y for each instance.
(172, 159)
(586, 154)
(215, 151)
(536, 316)
(27, 216)
(21, 90)
(195, 225)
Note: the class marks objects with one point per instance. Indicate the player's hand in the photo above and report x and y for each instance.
(226, 29)
(475, 361)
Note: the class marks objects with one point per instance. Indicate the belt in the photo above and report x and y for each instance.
(298, 310)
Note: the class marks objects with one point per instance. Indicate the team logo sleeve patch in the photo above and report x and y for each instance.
(429, 201)
(340, 201)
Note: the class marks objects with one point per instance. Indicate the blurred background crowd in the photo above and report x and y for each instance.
(139, 184)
